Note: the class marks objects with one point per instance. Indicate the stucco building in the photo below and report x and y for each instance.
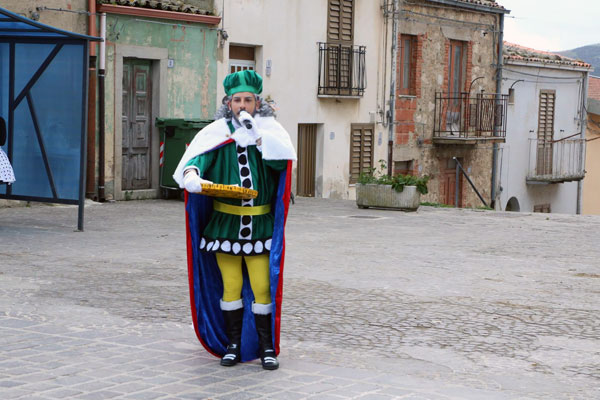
(542, 161)
(591, 188)
(447, 106)
(325, 69)
(160, 62)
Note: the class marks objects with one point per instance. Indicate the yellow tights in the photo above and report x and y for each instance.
(258, 271)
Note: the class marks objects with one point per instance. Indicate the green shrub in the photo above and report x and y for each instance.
(378, 176)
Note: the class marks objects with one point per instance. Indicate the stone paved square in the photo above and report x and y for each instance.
(437, 304)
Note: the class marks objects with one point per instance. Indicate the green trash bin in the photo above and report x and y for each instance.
(175, 136)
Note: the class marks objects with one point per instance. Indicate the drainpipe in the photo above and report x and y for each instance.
(101, 96)
(90, 187)
(498, 91)
(583, 126)
(392, 109)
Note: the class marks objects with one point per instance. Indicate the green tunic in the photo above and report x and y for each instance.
(244, 166)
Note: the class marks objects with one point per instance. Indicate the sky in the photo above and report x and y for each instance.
(552, 25)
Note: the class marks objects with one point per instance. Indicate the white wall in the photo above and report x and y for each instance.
(522, 125)
(288, 32)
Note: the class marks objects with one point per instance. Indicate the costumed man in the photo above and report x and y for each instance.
(237, 311)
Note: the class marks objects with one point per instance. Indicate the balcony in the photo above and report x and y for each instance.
(462, 119)
(341, 71)
(556, 161)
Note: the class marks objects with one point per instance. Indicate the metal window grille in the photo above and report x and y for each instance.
(462, 116)
(342, 70)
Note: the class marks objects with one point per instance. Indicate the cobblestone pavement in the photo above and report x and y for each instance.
(437, 304)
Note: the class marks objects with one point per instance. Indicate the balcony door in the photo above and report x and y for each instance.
(545, 133)
(340, 39)
(455, 84)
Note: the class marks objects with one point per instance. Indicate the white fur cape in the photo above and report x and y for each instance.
(276, 143)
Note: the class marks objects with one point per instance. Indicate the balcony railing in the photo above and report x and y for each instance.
(341, 70)
(462, 118)
(556, 161)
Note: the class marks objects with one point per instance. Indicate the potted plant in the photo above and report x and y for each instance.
(377, 189)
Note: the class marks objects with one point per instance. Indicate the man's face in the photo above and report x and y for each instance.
(243, 101)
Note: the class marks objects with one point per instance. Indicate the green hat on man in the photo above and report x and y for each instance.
(243, 81)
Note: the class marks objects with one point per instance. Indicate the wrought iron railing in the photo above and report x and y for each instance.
(342, 70)
(462, 116)
(556, 161)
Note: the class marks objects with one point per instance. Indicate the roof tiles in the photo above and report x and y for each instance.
(594, 88)
(166, 5)
(517, 52)
(487, 3)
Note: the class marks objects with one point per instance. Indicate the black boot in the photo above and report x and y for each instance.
(265, 338)
(233, 329)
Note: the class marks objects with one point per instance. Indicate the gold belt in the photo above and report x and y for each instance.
(239, 210)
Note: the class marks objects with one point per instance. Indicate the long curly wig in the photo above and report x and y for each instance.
(265, 109)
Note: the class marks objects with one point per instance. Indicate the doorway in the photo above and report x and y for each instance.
(136, 124)
(307, 159)
(448, 183)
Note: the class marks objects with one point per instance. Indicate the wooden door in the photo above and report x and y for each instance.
(545, 133)
(448, 184)
(307, 160)
(137, 124)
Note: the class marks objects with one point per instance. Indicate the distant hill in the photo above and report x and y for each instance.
(590, 54)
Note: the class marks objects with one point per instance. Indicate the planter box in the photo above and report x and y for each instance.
(383, 196)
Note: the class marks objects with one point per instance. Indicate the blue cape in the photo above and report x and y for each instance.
(206, 286)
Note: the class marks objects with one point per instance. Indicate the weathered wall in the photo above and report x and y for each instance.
(415, 114)
(591, 183)
(187, 90)
(522, 125)
(60, 19)
(289, 40)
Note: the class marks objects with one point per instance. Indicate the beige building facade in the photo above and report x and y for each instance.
(325, 69)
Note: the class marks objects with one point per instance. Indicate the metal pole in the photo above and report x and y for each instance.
(83, 150)
(470, 181)
(583, 126)
(498, 91)
(101, 104)
(392, 109)
(11, 110)
(456, 185)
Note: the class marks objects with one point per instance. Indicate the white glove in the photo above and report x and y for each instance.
(247, 121)
(193, 183)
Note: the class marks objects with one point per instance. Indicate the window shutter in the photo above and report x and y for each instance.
(546, 115)
(361, 150)
(545, 132)
(340, 21)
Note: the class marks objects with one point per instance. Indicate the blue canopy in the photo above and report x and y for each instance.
(43, 101)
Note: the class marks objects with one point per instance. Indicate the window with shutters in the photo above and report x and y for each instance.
(341, 64)
(545, 133)
(407, 83)
(340, 22)
(361, 149)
